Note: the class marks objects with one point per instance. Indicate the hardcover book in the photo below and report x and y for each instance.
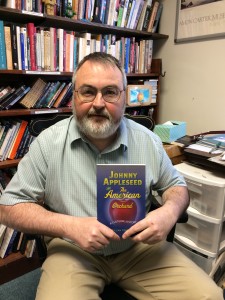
(120, 195)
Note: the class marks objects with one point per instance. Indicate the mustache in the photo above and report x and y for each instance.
(101, 113)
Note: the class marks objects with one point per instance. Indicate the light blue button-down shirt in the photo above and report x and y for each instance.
(60, 167)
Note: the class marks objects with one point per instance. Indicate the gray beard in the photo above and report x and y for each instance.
(97, 130)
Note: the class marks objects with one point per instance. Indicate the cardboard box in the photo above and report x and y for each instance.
(170, 133)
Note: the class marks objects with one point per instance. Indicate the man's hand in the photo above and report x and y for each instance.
(158, 223)
(152, 229)
(91, 235)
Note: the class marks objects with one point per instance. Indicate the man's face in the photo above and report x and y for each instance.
(99, 119)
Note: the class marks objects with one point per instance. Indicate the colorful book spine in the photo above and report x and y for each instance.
(3, 63)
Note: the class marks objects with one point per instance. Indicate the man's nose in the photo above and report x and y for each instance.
(99, 101)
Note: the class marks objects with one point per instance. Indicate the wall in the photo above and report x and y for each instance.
(193, 88)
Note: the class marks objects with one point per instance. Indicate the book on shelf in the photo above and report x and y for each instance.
(8, 47)
(138, 15)
(125, 8)
(2, 233)
(34, 93)
(56, 95)
(5, 92)
(15, 127)
(55, 86)
(3, 63)
(23, 47)
(5, 127)
(120, 195)
(157, 18)
(53, 45)
(18, 43)
(120, 13)
(130, 11)
(7, 242)
(153, 16)
(5, 141)
(14, 97)
(18, 139)
(141, 19)
(63, 96)
(147, 14)
(47, 50)
(14, 46)
(31, 34)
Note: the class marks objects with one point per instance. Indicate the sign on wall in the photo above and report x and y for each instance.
(199, 19)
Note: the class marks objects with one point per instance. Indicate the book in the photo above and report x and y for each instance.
(3, 64)
(18, 139)
(14, 98)
(14, 46)
(120, 195)
(157, 18)
(34, 94)
(8, 47)
(62, 96)
(153, 16)
(18, 42)
(56, 95)
(7, 242)
(2, 233)
(23, 47)
(147, 14)
(31, 33)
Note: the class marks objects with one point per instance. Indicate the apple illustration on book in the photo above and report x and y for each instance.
(123, 210)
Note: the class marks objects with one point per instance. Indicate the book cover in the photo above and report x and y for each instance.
(120, 195)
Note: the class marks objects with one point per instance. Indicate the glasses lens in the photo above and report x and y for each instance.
(110, 94)
(87, 94)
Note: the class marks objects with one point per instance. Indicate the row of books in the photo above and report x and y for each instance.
(12, 241)
(41, 94)
(134, 14)
(51, 49)
(15, 139)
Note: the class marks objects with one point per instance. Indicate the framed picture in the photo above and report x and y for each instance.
(139, 95)
(199, 19)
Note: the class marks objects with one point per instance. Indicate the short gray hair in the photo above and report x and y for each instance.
(103, 58)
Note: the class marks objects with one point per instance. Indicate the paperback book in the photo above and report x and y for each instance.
(120, 195)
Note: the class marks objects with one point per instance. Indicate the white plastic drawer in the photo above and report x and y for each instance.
(203, 261)
(206, 235)
(207, 199)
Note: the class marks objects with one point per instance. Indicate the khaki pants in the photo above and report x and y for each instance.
(158, 271)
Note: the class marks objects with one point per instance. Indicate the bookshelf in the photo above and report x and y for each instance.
(16, 264)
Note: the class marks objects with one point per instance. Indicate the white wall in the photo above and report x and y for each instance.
(193, 89)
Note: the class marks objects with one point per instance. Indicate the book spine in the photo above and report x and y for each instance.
(19, 137)
(14, 46)
(147, 15)
(8, 47)
(31, 33)
(153, 15)
(3, 64)
(18, 47)
(23, 92)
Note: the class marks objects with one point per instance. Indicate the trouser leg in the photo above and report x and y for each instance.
(70, 273)
(162, 272)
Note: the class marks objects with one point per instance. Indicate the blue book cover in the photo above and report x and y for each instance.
(120, 195)
(3, 64)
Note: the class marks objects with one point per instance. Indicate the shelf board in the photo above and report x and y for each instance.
(29, 112)
(16, 265)
(9, 163)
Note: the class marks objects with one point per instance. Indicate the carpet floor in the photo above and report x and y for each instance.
(21, 288)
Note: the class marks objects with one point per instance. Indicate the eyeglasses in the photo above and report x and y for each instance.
(88, 94)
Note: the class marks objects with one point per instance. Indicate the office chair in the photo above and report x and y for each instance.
(112, 291)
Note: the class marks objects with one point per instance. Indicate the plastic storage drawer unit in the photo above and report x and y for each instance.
(206, 189)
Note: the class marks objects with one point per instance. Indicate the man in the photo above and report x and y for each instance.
(60, 167)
